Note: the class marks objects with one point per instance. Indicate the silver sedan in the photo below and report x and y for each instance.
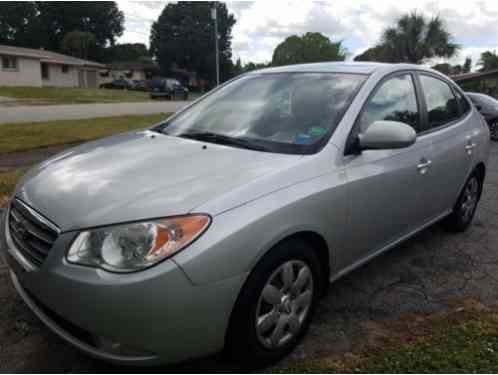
(219, 228)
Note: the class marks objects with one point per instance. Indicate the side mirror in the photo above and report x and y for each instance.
(478, 107)
(386, 135)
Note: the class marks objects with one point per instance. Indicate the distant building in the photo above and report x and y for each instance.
(484, 82)
(41, 68)
(133, 70)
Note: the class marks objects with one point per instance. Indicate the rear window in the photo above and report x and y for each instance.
(442, 106)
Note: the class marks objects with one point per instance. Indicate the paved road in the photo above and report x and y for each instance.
(82, 111)
(434, 272)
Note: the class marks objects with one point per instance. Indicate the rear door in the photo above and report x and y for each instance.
(449, 127)
(387, 187)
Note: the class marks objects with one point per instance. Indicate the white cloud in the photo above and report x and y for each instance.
(261, 25)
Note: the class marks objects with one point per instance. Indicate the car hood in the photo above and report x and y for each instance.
(140, 175)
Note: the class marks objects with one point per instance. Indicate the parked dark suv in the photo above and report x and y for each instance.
(168, 88)
(488, 107)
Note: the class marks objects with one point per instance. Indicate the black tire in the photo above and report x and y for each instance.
(242, 345)
(493, 129)
(461, 217)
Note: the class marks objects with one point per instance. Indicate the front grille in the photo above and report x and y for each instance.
(32, 234)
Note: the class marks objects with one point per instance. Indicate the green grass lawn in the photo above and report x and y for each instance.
(53, 95)
(22, 137)
(8, 182)
(464, 344)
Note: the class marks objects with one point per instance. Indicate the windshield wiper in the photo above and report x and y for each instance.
(224, 140)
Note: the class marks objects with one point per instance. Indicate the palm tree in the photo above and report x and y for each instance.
(488, 61)
(414, 39)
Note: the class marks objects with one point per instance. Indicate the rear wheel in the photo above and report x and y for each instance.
(275, 306)
(466, 205)
(493, 129)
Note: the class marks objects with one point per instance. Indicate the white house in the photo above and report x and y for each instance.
(40, 68)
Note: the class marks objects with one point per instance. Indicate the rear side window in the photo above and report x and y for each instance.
(395, 100)
(442, 106)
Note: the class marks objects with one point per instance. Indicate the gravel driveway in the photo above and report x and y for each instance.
(428, 274)
(41, 113)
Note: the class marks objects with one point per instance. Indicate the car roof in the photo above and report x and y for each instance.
(340, 67)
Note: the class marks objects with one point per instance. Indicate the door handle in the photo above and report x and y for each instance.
(469, 147)
(424, 165)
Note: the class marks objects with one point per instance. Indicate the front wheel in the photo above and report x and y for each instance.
(465, 208)
(275, 306)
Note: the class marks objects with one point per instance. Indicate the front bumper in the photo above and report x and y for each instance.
(158, 313)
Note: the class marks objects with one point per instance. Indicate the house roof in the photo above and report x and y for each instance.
(47, 56)
(468, 77)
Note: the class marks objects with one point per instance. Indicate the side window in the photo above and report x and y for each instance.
(9, 63)
(463, 102)
(442, 106)
(395, 100)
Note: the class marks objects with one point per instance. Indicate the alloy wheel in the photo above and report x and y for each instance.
(470, 198)
(284, 304)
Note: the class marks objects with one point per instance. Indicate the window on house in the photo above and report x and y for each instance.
(44, 71)
(65, 69)
(9, 63)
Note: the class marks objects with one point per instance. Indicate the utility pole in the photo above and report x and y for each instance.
(214, 16)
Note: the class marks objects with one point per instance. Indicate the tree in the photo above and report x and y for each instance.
(449, 69)
(444, 68)
(488, 61)
(125, 52)
(101, 18)
(18, 23)
(311, 47)
(250, 66)
(78, 44)
(467, 65)
(237, 68)
(183, 37)
(376, 53)
(45, 23)
(414, 39)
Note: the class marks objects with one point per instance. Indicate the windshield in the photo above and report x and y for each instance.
(279, 112)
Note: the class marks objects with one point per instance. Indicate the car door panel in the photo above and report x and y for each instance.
(387, 196)
(451, 131)
(387, 187)
(451, 164)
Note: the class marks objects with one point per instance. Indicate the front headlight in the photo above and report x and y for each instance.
(132, 247)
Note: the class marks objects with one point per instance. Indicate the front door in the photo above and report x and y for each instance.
(387, 187)
(91, 79)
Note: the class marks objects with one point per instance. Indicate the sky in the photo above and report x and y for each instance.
(262, 25)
